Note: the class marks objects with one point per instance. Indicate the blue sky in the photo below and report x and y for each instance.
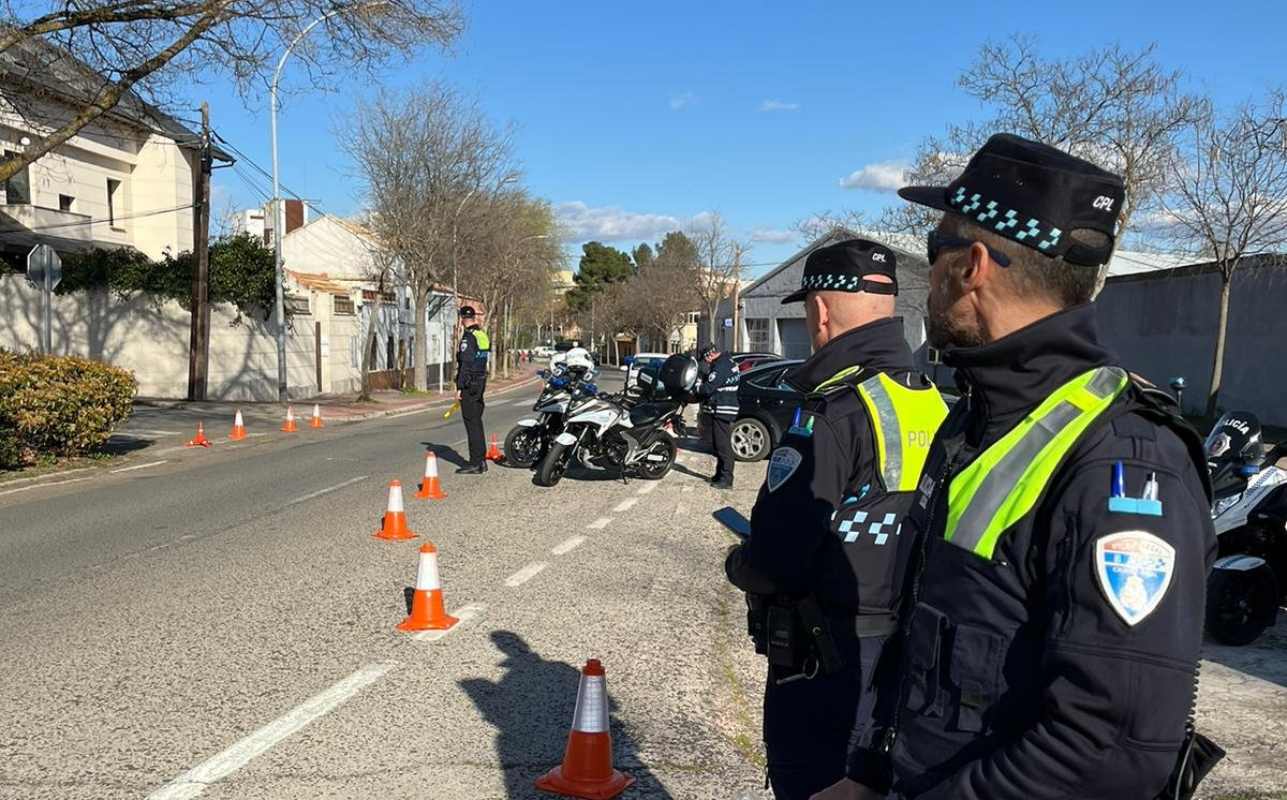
(634, 119)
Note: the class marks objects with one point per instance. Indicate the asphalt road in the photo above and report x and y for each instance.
(221, 623)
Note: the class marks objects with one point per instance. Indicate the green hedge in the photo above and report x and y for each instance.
(58, 405)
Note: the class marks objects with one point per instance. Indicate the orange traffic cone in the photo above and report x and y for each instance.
(493, 451)
(431, 487)
(238, 428)
(427, 610)
(200, 439)
(316, 421)
(587, 770)
(394, 525)
(290, 426)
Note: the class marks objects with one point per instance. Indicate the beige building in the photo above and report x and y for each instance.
(126, 180)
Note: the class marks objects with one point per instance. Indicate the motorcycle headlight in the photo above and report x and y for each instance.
(1224, 504)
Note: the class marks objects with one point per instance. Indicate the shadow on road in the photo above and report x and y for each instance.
(1265, 658)
(447, 453)
(531, 707)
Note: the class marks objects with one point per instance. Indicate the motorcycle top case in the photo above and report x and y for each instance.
(678, 375)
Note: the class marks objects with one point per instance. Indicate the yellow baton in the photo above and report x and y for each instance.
(454, 408)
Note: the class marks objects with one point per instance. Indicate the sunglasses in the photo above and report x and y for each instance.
(936, 243)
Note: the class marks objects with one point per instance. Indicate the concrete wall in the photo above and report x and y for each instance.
(1163, 325)
(150, 338)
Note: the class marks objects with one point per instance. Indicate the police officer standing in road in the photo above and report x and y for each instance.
(718, 391)
(471, 382)
(1055, 602)
(818, 566)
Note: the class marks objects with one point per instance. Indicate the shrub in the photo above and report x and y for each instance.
(58, 405)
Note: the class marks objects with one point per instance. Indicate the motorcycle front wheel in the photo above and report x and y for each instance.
(553, 465)
(660, 457)
(523, 446)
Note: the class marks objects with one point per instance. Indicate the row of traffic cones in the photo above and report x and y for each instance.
(239, 426)
(586, 771)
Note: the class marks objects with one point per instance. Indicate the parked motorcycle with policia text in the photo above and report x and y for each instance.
(632, 433)
(529, 440)
(1249, 482)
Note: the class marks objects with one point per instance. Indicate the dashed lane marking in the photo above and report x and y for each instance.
(62, 474)
(525, 574)
(680, 509)
(599, 524)
(43, 485)
(137, 432)
(686, 489)
(568, 545)
(321, 492)
(647, 487)
(141, 466)
(196, 780)
(626, 505)
(465, 614)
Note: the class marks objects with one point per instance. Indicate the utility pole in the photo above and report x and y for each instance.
(199, 341)
(737, 286)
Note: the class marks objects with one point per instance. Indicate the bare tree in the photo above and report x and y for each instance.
(1117, 108)
(1228, 198)
(84, 58)
(718, 266)
(663, 295)
(420, 153)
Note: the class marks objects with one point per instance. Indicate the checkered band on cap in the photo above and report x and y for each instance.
(1005, 221)
(841, 283)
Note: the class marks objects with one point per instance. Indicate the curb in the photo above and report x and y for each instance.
(407, 409)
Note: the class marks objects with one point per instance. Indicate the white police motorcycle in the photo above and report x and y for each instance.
(529, 440)
(630, 432)
(1250, 514)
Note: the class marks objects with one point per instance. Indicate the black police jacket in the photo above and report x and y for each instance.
(1017, 677)
(471, 359)
(718, 389)
(791, 549)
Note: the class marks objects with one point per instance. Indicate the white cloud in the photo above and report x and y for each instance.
(678, 102)
(771, 236)
(884, 176)
(581, 223)
(779, 105)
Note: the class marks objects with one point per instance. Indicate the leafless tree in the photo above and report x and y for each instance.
(420, 153)
(1227, 198)
(88, 56)
(1117, 108)
(718, 268)
(658, 299)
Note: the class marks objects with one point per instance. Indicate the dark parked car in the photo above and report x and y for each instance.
(746, 361)
(768, 404)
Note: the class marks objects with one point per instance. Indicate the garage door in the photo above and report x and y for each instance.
(795, 338)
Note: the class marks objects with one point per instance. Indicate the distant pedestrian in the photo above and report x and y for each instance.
(471, 382)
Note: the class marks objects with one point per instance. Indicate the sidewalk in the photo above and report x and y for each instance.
(334, 408)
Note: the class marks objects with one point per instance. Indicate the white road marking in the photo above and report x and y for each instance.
(568, 545)
(64, 473)
(686, 489)
(173, 449)
(410, 413)
(465, 614)
(648, 487)
(599, 524)
(141, 466)
(458, 444)
(196, 780)
(321, 492)
(627, 504)
(525, 574)
(43, 485)
(146, 432)
(680, 508)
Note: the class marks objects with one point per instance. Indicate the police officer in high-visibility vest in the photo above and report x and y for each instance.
(471, 382)
(1055, 599)
(818, 567)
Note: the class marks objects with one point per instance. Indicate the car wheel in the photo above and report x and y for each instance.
(751, 440)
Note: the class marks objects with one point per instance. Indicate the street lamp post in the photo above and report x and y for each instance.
(279, 218)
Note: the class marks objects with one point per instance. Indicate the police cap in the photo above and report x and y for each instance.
(1034, 194)
(843, 267)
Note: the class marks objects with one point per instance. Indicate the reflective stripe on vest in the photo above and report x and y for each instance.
(904, 420)
(835, 380)
(1003, 484)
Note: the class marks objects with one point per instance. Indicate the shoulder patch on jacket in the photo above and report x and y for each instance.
(782, 465)
(1134, 570)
